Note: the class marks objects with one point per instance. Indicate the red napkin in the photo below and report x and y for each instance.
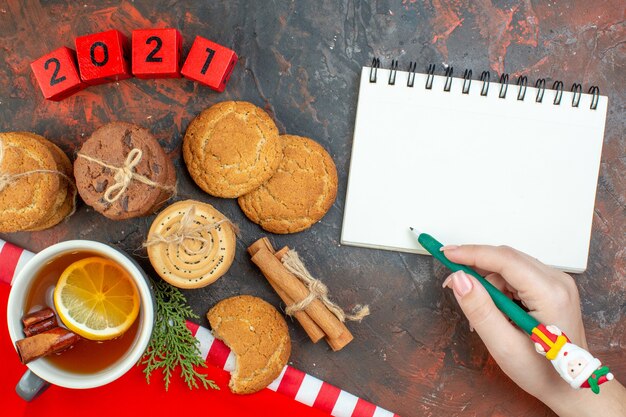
(131, 396)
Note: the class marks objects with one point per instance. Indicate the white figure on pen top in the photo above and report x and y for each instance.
(551, 297)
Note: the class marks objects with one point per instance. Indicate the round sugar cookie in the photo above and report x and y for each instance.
(258, 336)
(191, 244)
(299, 194)
(29, 199)
(231, 148)
(66, 197)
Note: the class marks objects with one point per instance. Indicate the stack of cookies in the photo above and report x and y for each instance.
(284, 183)
(36, 189)
(191, 244)
(122, 172)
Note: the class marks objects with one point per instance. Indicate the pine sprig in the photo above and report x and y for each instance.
(172, 344)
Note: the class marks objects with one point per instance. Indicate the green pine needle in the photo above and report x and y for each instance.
(172, 344)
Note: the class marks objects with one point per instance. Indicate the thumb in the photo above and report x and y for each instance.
(500, 336)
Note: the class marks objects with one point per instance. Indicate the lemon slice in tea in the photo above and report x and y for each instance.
(96, 298)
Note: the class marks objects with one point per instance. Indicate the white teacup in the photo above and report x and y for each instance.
(42, 371)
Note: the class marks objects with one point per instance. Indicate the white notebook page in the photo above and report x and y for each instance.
(467, 168)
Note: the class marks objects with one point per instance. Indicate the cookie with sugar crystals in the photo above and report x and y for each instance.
(26, 198)
(301, 191)
(231, 148)
(258, 336)
(191, 244)
(66, 197)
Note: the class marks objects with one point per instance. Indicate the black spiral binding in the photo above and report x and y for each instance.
(596, 96)
(392, 72)
(577, 91)
(374, 69)
(522, 81)
(558, 94)
(411, 78)
(485, 78)
(504, 85)
(448, 83)
(467, 81)
(540, 85)
(430, 77)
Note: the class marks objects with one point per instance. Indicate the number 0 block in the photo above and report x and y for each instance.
(57, 74)
(156, 53)
(209, 63)
(101, 57)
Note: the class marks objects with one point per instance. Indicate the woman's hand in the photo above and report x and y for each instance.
(552, 298)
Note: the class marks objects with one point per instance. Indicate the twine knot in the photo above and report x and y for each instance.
(124, 175)
(187, 230)
(7, 178)
(317, 289)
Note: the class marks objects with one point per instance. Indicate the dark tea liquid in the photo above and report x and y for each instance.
(86, 356)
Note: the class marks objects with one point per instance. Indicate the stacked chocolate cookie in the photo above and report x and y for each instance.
(36, 189)
(284, 183)
(123, 172)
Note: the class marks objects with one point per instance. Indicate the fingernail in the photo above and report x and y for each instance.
(447, 281)
(448, 247)
(461, 283)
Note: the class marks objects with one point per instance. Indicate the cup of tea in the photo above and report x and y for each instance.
(88, 363)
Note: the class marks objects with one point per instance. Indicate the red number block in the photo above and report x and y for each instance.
(101, 57)
(57, 74)
(209, 63)
(156, 53)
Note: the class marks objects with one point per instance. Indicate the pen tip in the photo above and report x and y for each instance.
(411, 228)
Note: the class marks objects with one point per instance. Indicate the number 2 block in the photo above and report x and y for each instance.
(57, 75)
(101, 57)
(156, 53)
(209, 63)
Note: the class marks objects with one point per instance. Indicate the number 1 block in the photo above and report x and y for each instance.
(156, 53)
(209, 63)
(101, 57)
(57, 75)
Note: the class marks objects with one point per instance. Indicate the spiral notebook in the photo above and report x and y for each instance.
(474, 161)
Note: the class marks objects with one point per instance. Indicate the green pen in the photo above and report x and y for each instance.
(575, 365)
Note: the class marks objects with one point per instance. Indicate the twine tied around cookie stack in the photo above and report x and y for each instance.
(187, 230)
(7, 178)
(190, 244)
(306, 297)
(123, 175)
(42, 200)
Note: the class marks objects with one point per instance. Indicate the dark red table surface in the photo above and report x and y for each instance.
(301, 62)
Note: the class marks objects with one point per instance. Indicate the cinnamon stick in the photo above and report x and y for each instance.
(341, 341)
(279, 255)
(261, 243)
(40, 327)
(275, 272)
(46, 343)
(337, 343)
(308, 325)
(37, 316)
